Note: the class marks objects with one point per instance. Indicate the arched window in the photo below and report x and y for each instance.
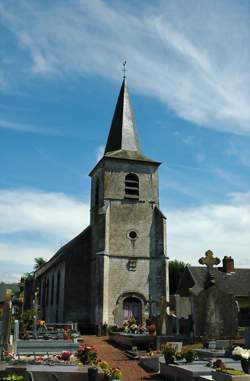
(58, 286)
(132, 186)
(52, 291)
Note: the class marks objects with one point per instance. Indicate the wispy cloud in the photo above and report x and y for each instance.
(21, 127)
(193, 59)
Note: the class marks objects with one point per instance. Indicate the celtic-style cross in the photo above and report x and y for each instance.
(209, 260)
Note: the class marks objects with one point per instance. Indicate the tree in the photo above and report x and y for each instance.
(39, 262)
(176, 269)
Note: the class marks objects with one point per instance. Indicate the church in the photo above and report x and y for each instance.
(112, 269)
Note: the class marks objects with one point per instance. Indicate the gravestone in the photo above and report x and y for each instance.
(215, 313)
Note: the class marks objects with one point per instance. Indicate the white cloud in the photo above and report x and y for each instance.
(224, 228)
(36, 224)
(194, 59)
(55, 218)
(50, 214)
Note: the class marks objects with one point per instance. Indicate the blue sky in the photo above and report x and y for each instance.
(189, 80)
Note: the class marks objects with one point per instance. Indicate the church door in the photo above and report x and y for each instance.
(132, 307)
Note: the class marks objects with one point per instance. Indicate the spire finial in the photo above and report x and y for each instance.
(124, 69)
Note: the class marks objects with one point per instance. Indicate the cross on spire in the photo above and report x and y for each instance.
(209, 260)
(124, 69)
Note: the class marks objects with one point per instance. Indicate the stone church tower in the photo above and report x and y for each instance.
(129, 259)
(110, 270)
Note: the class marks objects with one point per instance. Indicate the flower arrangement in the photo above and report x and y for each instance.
(151, 329)
(244, 356)
(189, 355)
(241, 353)
(114, 374)
(40, 323)
(13, 377)
(65, 355)
(8, 356)
(170, 353)
(130, 326)
(219, 364)
(150, 326)
(87, 354)
(110, 374)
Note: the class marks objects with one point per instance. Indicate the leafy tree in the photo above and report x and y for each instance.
(39, 262)
(176, 269)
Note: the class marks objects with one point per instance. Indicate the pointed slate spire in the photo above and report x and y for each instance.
(123, 133)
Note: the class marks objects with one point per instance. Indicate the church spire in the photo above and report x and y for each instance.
(123, 132)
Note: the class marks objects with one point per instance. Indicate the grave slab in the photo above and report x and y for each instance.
(218, 376)
(45, 346)
(183, 371)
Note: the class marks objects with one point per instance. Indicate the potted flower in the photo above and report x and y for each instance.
(244, 356)
(65, 355)
(151, 329)
(189, 355)
(87, 354)
(169, 352)
(133, 328)
(114, 374)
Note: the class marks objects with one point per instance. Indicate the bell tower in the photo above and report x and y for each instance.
(129, 258)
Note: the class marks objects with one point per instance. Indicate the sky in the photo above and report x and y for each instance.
(188, 76)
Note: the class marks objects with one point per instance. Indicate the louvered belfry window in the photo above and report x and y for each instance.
(132, 186)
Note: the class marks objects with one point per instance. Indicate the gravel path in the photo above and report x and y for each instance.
(116, 358)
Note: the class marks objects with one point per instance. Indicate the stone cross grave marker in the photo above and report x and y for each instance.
(209, 260)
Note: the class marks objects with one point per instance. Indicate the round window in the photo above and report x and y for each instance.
(132, 234)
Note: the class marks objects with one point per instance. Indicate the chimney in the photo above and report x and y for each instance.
(228, 265)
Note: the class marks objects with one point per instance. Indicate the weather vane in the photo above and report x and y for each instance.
(124, 69)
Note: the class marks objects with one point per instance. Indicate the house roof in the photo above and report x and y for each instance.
(63, 252)
(236, 283)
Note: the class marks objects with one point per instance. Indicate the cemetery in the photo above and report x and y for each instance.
(100, 309)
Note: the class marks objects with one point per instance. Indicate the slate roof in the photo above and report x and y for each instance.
(236, 283)
(64, 251)
(123, 133)
(4, 286)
